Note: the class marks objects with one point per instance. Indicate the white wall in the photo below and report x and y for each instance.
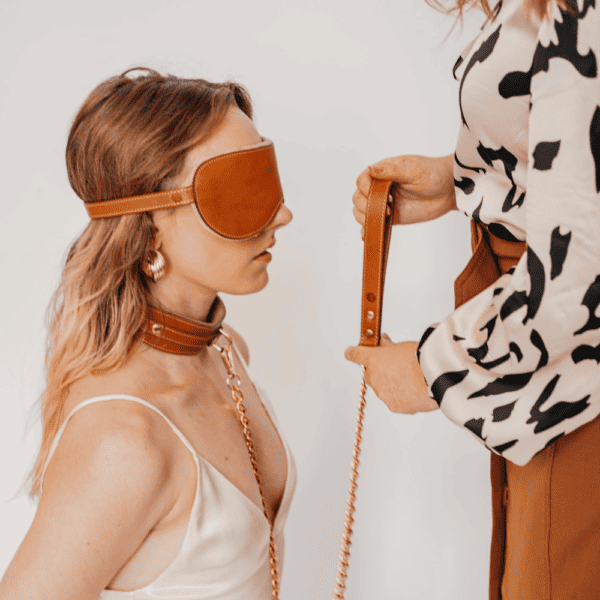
(337, 84)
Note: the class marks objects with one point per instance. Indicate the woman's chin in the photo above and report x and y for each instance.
(262, 283)
(256, 285)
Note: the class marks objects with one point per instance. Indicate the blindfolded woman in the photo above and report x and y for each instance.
(162, 471)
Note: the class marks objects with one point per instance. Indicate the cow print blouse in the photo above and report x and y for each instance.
(518, 366)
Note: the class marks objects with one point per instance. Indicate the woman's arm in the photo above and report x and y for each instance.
(517, 365)
(104, 490)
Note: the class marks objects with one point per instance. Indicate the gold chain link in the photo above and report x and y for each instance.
(342, 575)
(233, 383)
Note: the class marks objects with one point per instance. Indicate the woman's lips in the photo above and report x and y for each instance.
(264, 257)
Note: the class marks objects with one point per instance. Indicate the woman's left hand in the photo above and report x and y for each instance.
(394, 373)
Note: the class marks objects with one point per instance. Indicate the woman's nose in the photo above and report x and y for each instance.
(283, 217)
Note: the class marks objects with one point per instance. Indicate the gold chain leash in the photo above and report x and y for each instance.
(377, 232)
(340, 584)
(233, 383)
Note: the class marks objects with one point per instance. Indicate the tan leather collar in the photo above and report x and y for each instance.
(176, 335)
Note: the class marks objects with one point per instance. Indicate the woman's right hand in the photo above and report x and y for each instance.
(423, 187)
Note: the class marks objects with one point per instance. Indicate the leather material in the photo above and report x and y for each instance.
(237, 195)
(545, 514)
(138, 204)
(176, 335)
(483, 270)
(492, 257)
(378, 230)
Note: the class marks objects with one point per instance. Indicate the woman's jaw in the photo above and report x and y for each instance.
(200, 264)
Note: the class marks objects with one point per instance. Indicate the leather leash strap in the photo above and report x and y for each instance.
(378, 231)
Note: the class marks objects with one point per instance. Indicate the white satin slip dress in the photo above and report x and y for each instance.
(225, 551)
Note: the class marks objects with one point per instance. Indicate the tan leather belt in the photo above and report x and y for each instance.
(492, 257)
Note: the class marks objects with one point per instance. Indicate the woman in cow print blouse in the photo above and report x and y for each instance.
(518, 366)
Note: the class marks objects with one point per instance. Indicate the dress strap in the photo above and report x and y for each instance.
(85, 403)
(239, 354)
(262, 396)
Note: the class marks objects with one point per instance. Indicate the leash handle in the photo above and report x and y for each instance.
(378, 230)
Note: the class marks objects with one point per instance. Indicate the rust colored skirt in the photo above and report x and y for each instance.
(546, 514)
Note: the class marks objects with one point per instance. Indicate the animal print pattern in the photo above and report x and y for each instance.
(518, 366)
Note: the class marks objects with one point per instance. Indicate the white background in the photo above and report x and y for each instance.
(338, 85)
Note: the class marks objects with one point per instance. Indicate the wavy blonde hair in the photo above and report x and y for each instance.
(540, 7)
(131, 134)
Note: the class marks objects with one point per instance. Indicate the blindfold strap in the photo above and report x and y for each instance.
(139, 204)
(237, 194)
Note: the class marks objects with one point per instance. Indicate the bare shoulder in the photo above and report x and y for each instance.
(117, 446)
(239, 341)
(108, 484)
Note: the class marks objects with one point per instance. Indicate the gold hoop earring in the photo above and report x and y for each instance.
(155, 265)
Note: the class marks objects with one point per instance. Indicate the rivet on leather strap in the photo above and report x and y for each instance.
(378, 228)
(177, 335)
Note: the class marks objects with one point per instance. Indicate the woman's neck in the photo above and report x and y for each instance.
(194, 304)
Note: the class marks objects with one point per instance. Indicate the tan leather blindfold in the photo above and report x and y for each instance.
(237, 194)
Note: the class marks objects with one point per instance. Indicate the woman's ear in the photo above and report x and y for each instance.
(158, 222)
(157, 238)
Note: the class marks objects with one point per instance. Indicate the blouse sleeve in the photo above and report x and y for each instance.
(518, 365)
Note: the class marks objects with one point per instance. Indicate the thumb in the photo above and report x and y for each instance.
(357, 354)
(385, 340)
